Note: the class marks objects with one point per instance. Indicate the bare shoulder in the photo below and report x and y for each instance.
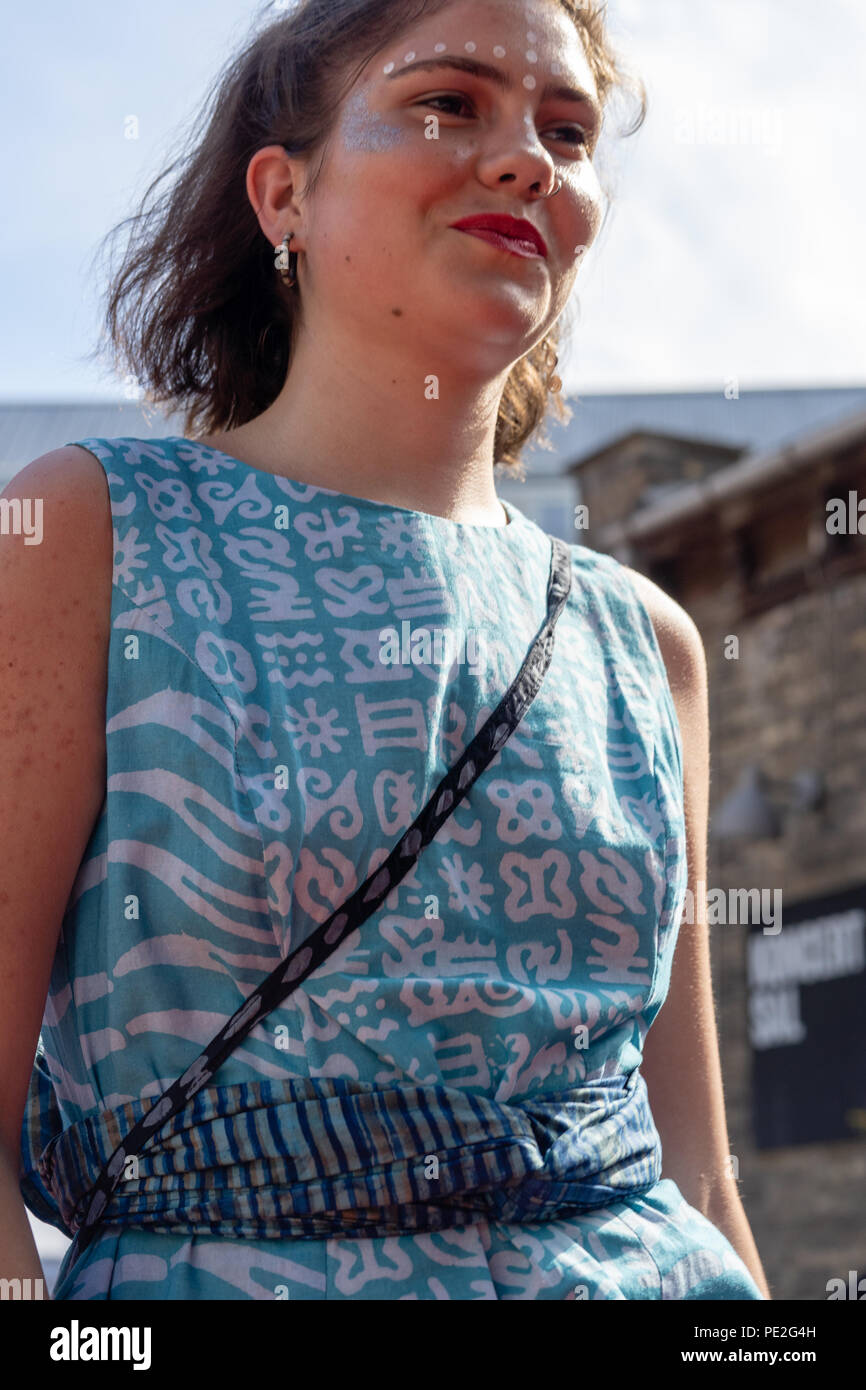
(71, 475)
(65, 508)
(56, 562)
(679, 640)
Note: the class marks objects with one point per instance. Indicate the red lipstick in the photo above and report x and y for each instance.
(512, 234)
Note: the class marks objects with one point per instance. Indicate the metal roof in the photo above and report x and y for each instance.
(30, 429)
(757, 422)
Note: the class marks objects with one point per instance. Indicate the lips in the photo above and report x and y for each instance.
(508, 233)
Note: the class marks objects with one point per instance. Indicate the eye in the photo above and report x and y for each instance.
(458, 99)
(582, 137)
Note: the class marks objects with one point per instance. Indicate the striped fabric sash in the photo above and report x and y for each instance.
(319, 1157)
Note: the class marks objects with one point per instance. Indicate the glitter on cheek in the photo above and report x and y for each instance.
(366, 130)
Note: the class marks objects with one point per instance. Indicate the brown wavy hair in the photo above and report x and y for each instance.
(197, 312)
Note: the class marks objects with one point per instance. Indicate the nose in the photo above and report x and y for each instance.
(523, 162)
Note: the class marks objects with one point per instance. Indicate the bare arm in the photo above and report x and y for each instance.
(55, 605)
(682, 1067)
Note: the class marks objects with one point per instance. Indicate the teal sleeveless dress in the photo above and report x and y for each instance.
(292, 670)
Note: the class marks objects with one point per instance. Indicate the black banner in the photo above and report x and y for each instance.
(806, 981)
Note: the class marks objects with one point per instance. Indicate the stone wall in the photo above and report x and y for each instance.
(795, 698)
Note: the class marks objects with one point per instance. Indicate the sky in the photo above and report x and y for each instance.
(732, 249)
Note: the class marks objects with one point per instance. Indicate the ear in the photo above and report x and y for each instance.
(274, 181)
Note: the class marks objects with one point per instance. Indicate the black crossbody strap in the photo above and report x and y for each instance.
(330, 934)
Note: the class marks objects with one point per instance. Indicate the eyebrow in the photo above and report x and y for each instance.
(497, 76)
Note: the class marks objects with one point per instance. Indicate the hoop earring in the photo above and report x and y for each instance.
(286, 261)
(554, 380)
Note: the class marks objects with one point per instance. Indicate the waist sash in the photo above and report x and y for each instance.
(319, 1157)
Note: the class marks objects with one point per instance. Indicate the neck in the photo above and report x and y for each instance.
(373, 425)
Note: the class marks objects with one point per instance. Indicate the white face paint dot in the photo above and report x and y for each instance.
(555, 69)
(470, 47)
(409, 57)
(389, 67)
(531, 57)
(530, 38)
(529, 81)
(499, 51)
(440, 48)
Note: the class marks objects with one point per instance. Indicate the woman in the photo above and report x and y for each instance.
(463, 1101)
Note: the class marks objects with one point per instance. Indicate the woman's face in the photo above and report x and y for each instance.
(416, 149)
